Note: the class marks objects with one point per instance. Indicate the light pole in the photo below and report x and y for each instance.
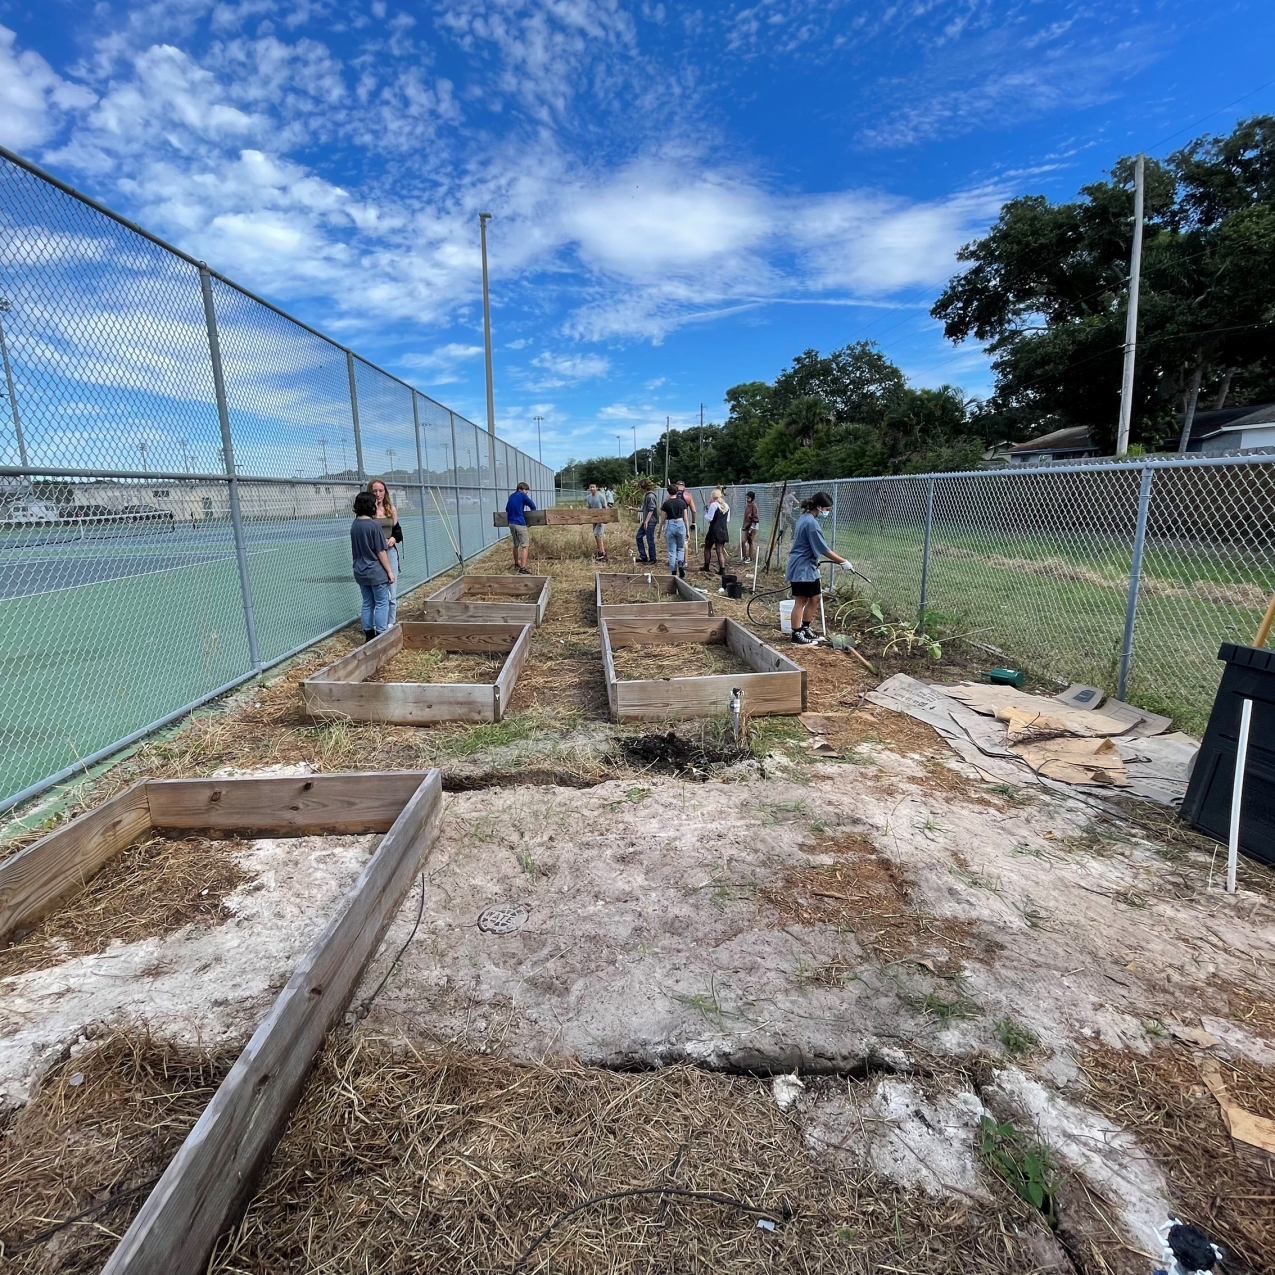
(540, 451)
(666, 432)
(483, 218)
(5, 307)
(323, 449)
(1131, 314)
(389, 451)
(617, 447)
(143, 446)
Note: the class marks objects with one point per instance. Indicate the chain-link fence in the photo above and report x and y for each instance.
(1128, 576)
(177, 464)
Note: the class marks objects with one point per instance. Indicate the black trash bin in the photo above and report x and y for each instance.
(1249, 674)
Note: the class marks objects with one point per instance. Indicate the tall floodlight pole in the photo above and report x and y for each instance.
(666, 430)
(483, 218)
(540, 451)
(617, 446)
(323, 448)
(1131, 318)
(635, 468)
(5, 307)
(142, 445)
(389, 451)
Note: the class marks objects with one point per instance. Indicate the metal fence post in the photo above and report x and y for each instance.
(1135, 580)
(232, 473)
(836, 493)
(925, 552)
(420, 481)
(460, 544)
(354, 416)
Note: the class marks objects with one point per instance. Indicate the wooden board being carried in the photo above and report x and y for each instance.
(528, 598)
(667, 596)
(340, 691)
(560, 517)
(777, 687)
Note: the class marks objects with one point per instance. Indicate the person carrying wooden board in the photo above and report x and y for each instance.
(516, 516)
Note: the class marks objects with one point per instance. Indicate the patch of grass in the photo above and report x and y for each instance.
(1011, 793)
(945, 1010)
(1026, 1166)
(977, 880)
(1015, 1038)
(770, 734)
(466, 741)
(634, 796)
(773, 812)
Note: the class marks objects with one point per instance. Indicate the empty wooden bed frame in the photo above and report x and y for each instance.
(209, 1180)
(560, 517)
(527, 598)
(667, 596)
(777, 687)
(340, 691)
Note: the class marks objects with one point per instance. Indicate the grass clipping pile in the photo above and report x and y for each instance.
(459, 1163)
(434, 667)
(78, 1160)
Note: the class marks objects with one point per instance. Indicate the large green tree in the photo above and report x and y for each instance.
(1045, 292)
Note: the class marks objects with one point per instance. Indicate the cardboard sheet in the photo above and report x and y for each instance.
(1073, 760)
(987, 699)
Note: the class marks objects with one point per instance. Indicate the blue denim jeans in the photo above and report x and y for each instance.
(375, 612)
(675, 542)
(392, 554)
(646, 541)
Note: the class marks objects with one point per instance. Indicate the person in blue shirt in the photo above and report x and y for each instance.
(516, 515)
(802, 574)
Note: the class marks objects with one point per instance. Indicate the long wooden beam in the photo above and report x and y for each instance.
(212, 1176)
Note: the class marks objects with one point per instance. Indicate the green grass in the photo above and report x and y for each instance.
(1015, 1038)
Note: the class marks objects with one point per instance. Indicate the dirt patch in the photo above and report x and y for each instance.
(440, 666)
(863, 893)
(448, 1161)
(147, 891)
(1227, 1189)
(690, 756)
(101, 1128)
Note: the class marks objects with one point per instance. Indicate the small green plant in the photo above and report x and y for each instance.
(977, 880)
(1011, 793)
(528, 864)
(1025, 1166)
(945, 1010)
(1014, 1037)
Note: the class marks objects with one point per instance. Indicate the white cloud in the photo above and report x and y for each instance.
(33, 97)
(575, 367)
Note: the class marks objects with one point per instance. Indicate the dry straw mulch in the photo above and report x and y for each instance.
(148, 890)
(433, 667)
(1220, 1185)
(99, 1131)
(457, 1163)
(683, 659)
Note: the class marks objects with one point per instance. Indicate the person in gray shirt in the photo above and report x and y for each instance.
(647, 518)
(596, 500)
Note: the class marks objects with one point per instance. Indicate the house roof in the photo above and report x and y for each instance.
(1073, 438)
(1208, 424)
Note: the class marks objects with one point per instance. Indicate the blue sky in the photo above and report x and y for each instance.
(683, 198)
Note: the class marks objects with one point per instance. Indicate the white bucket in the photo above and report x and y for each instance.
(785, 616)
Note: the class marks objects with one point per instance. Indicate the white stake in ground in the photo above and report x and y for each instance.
(1237, 794)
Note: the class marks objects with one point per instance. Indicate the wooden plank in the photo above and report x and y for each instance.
(653, 610)
(662, 632)
(608, 666)
(213, 1174)
(434, 636)
(518, 613)
(542, 598)
(311, 804)
(450, 592)
(764, 694)
(361, 662)
(403, 703)
(34, 879)
(524, 587)
(609, 583)
(749, 647)
(509, 672)
(687, 591)
(560, 517)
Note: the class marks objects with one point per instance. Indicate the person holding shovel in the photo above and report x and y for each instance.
(808, 549)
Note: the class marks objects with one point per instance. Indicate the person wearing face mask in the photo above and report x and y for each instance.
(808, 549)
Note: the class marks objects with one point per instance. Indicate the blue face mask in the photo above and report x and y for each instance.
(825, 513)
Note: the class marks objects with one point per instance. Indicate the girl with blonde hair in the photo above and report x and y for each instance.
(387, 516)
(717, 537)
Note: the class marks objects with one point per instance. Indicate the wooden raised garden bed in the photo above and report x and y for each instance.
(654, 594)
(497, 599)
(776, 685)
(209, 1179)
(341, 690)
(560, 517)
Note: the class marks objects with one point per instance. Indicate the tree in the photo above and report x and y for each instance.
(1046, 289)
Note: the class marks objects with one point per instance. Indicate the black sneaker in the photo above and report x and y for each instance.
(801, 638)
(681, 571)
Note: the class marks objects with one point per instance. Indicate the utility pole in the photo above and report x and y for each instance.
(483, 218)
(666, 430)
(1131, 318)
(635, 468)
(142, 445)
(701, 442)
(540, 451)
(323, 448)
(185, 458)
(617, 447)
(389, 451)
(5, 307)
